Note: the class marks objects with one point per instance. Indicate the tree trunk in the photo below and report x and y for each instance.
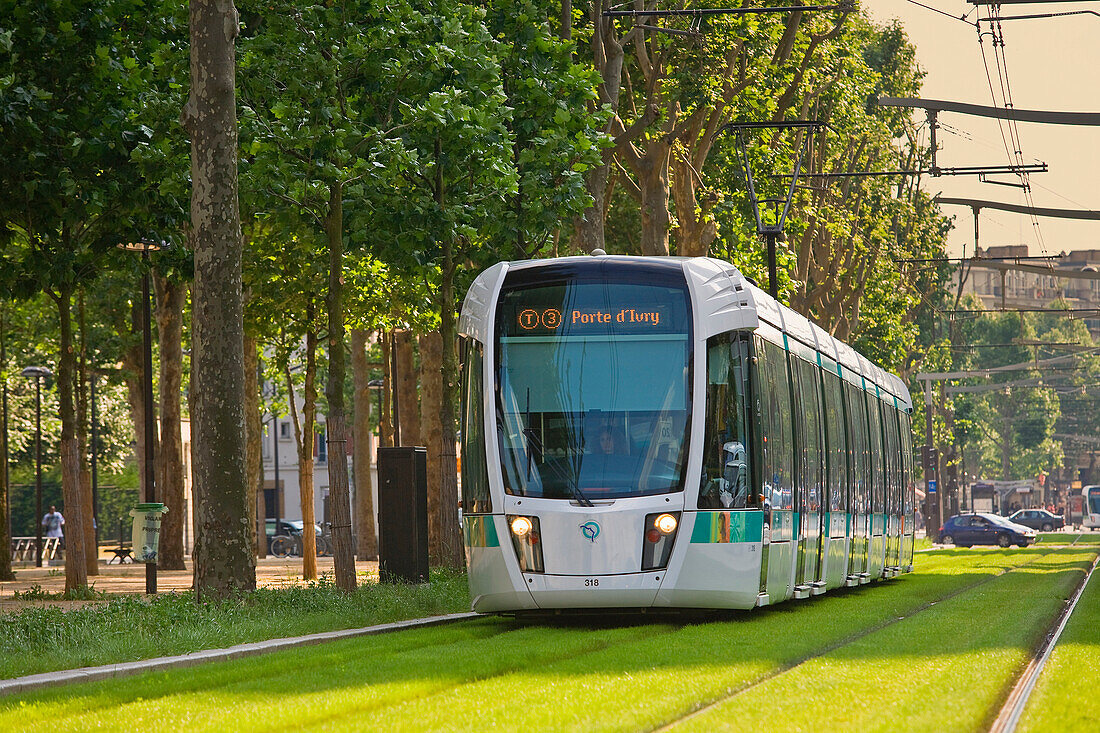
(451, 533)
(338, 489)
(406, 389)
(431, 380)
(91, 549)
(170, 298)
(607, 56)
(6, 573)
(384, 422)
(224, 563)
(253, 443)
(696, 229)
(653, 181)
(76, 567)
(367, 539)
(304, 436)
(135, 394)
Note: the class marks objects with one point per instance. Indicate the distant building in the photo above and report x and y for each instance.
(286, 502)
(1014, 289)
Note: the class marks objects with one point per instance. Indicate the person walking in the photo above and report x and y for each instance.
(53, 522)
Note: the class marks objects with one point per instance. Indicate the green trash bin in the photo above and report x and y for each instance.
(146, 537)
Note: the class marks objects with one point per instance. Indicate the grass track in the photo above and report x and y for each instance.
(947, 668)
(494, 674)
(1067, 695)
(1067, 538)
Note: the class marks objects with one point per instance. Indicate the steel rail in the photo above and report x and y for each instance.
(1013, 708)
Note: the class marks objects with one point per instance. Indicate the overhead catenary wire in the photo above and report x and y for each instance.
(1013, 150)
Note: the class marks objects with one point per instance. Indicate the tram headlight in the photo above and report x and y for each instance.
(521, 526)
(659, 535)
(666, 523)
(526, 541)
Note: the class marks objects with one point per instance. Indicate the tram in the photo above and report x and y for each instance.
(651, 433)
(1091, 515)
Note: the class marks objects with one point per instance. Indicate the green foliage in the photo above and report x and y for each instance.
(1011, 429)
(67, 87)
(554, 136)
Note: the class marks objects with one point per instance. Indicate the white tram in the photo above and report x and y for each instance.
(1091, 514)
(644, 432)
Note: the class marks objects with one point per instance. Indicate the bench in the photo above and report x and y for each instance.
(122, 554)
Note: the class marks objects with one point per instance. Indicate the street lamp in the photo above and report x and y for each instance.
(38, 373)
(145, 246)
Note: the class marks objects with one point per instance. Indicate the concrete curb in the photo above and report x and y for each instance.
(108, 671)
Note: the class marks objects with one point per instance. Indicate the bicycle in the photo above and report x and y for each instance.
(286, 545)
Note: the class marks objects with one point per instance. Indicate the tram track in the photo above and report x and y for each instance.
(1009, 715)
(847, 641)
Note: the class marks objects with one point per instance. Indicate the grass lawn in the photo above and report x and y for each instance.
(128, 628)
(624, 675)
(1067, 696)
(1065, 538)
(945, 669)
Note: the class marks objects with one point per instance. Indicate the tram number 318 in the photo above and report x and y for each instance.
(591, 582)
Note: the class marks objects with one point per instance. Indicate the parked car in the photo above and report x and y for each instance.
(965, 530)
(1038, 519)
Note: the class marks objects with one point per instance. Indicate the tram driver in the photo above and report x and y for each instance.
(731, 490)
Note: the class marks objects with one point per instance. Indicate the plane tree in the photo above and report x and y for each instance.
(65, 97)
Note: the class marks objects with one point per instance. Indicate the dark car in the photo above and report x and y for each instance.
(1038, 519)
(965, 530)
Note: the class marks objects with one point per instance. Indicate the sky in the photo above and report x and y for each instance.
(1052, 64)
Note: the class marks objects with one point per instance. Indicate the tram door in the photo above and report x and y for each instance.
(810, 453)
(859, 479)
(834, 500)
(777, 572)
(893, 487)
(877, 552)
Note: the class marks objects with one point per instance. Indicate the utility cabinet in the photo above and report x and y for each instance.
(403, 514)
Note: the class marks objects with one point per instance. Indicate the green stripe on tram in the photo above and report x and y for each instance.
(723, 527)
(480, 530)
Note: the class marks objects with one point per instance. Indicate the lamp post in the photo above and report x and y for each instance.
(95, 461)
(146, 246)
(38, 373)
(275, 462)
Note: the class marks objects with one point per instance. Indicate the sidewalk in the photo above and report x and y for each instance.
(271, 572)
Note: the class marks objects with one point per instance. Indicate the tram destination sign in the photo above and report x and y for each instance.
(539, 320)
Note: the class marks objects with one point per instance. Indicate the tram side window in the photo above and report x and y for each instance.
(908, 489)
(775, 400)
(726, 482)
(811, 432)
(893, 464)
(861, 463)
(836, 442)
(878, 504)
(475, 476)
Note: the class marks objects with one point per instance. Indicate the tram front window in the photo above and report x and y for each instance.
(593, 394)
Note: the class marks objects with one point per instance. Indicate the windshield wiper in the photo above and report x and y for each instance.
(534, 443)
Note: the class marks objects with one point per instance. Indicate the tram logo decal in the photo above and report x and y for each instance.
(590, 531)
